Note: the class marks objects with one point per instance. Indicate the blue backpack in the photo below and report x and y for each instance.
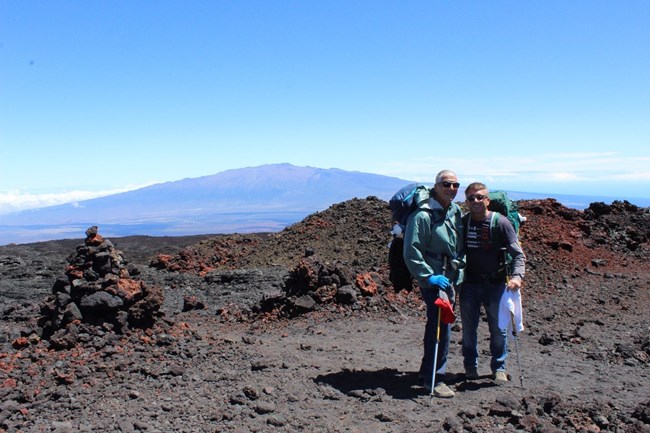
(403, 203)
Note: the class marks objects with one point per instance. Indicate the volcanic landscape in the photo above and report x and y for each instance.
(307, 330)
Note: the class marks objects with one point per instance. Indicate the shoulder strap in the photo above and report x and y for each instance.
(465, 220)
(495, 233)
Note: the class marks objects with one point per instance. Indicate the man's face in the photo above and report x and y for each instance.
(477, 200)
(447, 188)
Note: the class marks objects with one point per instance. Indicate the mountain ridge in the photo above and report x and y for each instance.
(263, 198)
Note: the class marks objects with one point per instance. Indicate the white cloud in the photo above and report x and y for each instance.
(558, 167)
(14, 201)
(545, 172)
(562, 176)
(635, 175)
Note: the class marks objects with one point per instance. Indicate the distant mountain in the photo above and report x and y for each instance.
(253, 199)
(266, 198)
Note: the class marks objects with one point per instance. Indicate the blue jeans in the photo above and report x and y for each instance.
(472, 296)
(429, 295)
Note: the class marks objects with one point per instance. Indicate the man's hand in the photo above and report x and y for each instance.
(514, 284)
(439, 280)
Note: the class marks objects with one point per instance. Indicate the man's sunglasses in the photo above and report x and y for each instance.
(476, 197)
(447, 184)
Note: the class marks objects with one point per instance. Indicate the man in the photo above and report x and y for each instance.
(433, 238)
(488, 235)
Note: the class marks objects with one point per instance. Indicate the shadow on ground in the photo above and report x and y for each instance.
(397, 384)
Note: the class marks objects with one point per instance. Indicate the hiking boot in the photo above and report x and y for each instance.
(443, 391)
(471, 374)
(500, 377)
(440, 390)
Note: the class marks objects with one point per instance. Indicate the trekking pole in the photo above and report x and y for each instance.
(435, 350)
(435, 358)
(516, 335)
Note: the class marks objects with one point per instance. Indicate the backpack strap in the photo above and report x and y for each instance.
(465, 220)
(498, 241)
(495, 233)
(436, 217)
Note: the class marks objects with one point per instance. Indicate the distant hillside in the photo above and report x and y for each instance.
(264, 198)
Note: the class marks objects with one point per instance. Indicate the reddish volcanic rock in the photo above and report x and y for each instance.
(285, 331)
(366, 284)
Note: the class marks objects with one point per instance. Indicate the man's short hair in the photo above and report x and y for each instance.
(443, 174)
(476, 186)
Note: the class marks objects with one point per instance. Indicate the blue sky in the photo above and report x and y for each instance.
(537, 96)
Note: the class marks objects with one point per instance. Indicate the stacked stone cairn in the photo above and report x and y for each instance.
(97, 290)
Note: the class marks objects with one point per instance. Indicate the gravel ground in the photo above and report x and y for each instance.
(237, 347)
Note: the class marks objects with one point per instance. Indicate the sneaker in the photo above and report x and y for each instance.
(443, 391)
(500, 377)
(471, 374)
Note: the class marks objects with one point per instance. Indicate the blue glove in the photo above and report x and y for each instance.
(438, 280)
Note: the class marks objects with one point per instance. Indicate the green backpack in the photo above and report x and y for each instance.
(500, 202)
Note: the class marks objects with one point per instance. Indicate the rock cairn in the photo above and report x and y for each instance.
(97, 289)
